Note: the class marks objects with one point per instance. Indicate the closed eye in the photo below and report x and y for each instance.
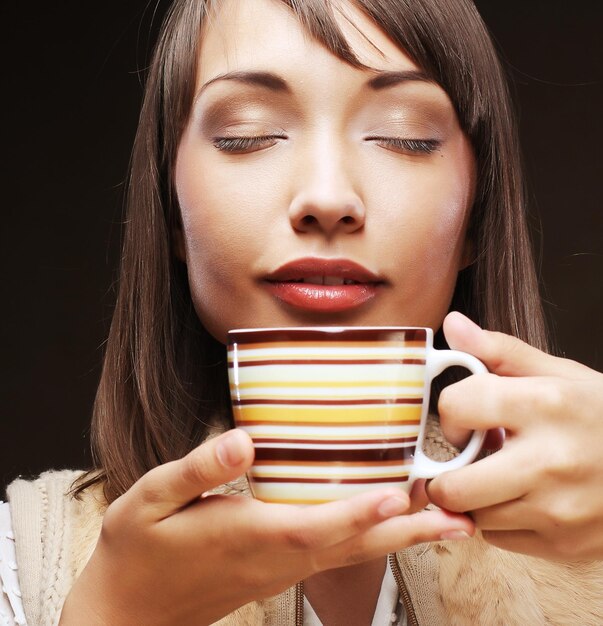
(243, 145)
(408, 146)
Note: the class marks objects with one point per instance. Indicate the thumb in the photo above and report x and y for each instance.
(168, 488)
(502, 354)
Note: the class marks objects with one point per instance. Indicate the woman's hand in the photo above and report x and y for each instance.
(168, 556)
(542, 493)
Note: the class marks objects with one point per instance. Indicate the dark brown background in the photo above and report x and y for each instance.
(71, 86)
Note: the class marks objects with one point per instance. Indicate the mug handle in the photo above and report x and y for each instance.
(423, 466)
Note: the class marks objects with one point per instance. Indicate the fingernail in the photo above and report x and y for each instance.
(393, 506)
(455, 535)
(229, 450)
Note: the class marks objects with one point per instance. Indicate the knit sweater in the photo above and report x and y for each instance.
(465, 583)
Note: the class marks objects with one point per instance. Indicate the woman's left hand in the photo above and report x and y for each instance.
(542, 492)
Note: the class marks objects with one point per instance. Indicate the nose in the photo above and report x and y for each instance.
(325, 199)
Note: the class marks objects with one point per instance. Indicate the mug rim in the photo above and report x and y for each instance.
(421, 334)
(326, 329)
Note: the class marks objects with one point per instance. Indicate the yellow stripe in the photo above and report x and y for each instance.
(291, 414)
(297, 500)
(317, 437)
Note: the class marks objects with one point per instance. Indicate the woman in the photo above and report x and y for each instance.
(360, 133)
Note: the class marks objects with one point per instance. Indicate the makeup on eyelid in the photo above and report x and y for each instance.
(417, 110)
(301, 160)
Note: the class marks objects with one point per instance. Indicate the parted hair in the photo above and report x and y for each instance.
(164, 383)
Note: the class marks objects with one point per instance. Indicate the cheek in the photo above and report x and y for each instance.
(222, 204)
(427, 209)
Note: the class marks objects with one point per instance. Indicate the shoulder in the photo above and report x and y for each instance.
(55, 534)
(51, 482)
(45, 511)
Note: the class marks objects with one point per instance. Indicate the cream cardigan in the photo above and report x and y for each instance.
(464, 583)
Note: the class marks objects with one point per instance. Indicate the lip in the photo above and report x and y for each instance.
(320, 297)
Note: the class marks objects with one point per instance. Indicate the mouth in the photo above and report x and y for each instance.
(324, 285)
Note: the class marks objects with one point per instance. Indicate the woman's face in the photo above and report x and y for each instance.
(313, 192)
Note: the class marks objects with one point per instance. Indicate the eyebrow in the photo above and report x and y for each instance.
(391, 79)
(275, 83)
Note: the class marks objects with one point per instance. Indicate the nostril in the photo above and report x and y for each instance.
(308, 220)
(348, 219)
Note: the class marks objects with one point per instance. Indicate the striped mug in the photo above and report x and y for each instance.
(334, 411)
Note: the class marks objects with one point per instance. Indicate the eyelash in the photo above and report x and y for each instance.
(420, 146)
(241, 145)
(238, 145)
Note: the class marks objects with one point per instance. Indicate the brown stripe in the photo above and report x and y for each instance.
(389, 422)
(334, 441)
(336, 481)
(286, 402)
(313, 454)
(330, 362)
(316, 335)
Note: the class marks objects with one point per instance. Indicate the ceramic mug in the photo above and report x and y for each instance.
(334, 411)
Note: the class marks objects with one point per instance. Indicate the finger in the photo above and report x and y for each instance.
(495, 439)
(396, 534)
(510, 515)
(523, 541)
(563, 546)
(418, 496)
(503, 354)
(489, 401)
(485, 483)
(566, 549)
(319, 526)
(246, 523)
(170, 487)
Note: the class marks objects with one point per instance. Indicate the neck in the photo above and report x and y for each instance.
(346, 595)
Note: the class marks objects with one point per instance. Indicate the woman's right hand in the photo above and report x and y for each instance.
(166, 555)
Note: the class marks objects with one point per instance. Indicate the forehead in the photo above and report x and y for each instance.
(267, 34)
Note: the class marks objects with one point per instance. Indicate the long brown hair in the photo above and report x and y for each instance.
(163, 385)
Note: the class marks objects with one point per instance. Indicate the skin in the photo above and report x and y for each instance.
(326, 189)
(539, 494)
(325, 186)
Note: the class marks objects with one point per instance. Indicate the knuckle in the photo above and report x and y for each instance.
(503, 349)
(300, 537)
(549, 398)
(563, 515)
(149, 490)
(193, 469)
(111, 523)
(116, 520)
(318, 562)
(560, 464)
(446, 493)
(447, 402)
